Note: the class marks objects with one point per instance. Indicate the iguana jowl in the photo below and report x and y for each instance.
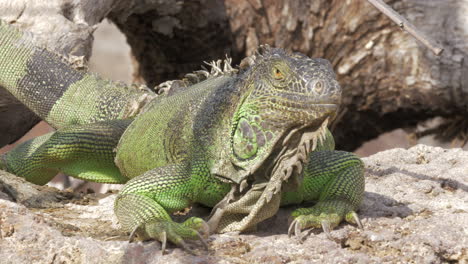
(244, 142)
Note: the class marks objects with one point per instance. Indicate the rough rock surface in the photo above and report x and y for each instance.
(415, 210)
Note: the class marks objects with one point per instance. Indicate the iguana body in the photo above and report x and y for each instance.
(235, 141)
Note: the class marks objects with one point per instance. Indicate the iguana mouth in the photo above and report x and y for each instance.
(258, 198)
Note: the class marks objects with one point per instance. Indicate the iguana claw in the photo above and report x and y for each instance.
(353, 217)
(163, 242)
(324, 215)
(132, 236)
(186, 248)
(192, 228)
(294, 226)
(326, 228)
(202, 239)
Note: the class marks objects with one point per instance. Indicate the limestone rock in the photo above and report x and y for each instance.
(415, 210)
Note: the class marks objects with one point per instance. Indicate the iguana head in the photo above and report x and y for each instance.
(287, 96)
(287, 102)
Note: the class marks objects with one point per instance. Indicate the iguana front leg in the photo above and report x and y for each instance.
(335, 181)
(144, 204)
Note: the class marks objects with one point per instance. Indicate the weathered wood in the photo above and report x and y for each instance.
(389, 80)
(62, 26)
(404, 24)
(171, 41)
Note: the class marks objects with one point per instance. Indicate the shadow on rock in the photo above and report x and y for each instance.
(376, 205)
(445, 183)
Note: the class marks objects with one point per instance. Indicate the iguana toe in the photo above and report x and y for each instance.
(198, 224)
(185, 247)
(192, 229)
(326, 215)
(203, 240)
(353, 218)
(163, 242)
(132, 235)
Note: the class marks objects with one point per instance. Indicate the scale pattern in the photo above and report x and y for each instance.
(243, 141)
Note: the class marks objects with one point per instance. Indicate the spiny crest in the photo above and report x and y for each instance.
(264, 52)
(217, 68)
(299, 63)
(224, 67)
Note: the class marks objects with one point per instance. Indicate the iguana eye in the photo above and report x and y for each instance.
(277, 74)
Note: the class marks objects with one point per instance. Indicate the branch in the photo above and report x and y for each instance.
(407, 26)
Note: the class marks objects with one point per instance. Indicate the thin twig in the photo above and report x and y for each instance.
(407, 26)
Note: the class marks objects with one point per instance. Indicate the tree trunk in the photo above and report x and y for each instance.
(66, 27)
(389, 80)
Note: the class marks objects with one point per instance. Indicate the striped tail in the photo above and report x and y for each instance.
(58, 93)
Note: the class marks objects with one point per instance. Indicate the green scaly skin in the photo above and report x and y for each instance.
(237, 142)
(59, 94)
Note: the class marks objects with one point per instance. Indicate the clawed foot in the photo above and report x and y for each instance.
(193, 228)
(325, 215)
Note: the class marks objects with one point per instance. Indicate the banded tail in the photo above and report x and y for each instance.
(58, 93)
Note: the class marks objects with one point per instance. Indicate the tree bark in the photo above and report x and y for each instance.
(66, 27)
(389, 80)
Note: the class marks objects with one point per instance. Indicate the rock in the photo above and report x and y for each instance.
(415, 210)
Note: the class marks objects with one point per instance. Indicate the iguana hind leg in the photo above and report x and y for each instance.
(335, 181)
(86, 152)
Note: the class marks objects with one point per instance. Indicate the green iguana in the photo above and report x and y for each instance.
(243, 141)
